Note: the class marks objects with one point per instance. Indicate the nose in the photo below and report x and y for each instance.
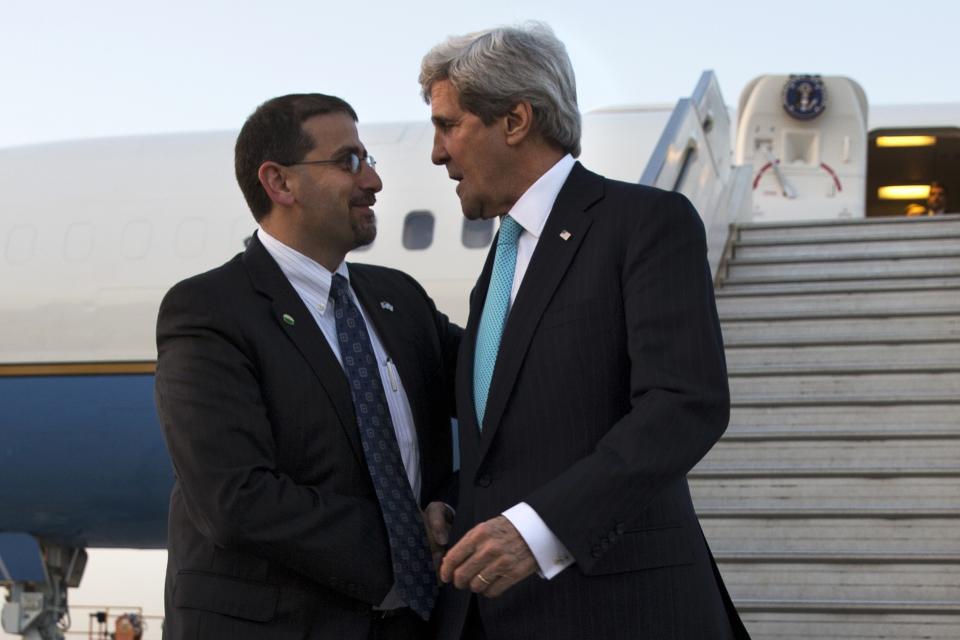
(369, 178)
(438, 155)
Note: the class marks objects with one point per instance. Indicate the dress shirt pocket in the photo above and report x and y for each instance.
(640, 549)
(246, 599)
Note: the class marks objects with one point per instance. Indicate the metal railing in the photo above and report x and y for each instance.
(694, 157)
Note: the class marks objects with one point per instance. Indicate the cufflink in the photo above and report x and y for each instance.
(560, 558)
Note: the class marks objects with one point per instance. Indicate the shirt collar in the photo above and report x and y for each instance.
(309, 278)
(534, 206)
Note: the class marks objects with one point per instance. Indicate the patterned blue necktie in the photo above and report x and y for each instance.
(409, 547)
(494, 314)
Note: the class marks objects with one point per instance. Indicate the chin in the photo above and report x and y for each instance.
(471, 210)
(364, 235)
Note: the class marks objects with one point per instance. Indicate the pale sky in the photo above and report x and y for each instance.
(107, 67)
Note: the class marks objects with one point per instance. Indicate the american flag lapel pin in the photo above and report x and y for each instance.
(565, 235)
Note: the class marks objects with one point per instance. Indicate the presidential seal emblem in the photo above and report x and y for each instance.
(804, 97)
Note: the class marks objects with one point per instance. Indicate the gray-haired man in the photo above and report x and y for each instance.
(591, 377)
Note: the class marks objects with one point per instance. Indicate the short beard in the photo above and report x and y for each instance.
(363, 234)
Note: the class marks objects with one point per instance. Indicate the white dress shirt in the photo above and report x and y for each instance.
(312, 281)
(531, 211)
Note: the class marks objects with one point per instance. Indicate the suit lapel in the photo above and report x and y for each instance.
(268, 279)
(562, 236)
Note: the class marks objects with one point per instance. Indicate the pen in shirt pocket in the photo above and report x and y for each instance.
(392, 374)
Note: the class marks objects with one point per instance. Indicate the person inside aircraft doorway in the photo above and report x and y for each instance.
(936, 202)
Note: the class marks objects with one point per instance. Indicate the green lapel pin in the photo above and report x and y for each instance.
(288, 319)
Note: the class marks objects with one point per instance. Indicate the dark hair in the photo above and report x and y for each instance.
(275, 132)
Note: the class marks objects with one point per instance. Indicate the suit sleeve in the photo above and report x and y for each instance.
(225, 457)
(679, 400)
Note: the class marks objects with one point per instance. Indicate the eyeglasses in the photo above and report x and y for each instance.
(351, 162)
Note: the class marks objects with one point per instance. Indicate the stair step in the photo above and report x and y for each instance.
(840, 457)
(791, 513)
(871, 228)
(843, 358)
(841, 330)
(846, 495)
(826, 557)
(927, 586)
(934, 607)
(867, 304)
(773, 233)
(780, 434)
(731, 289)
(850, 536)
(843, 389)
(791, 471)
(857, 249)
(770, 620)
(844, 422)
(925, 267)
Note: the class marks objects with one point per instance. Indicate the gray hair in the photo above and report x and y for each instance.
(495, 69)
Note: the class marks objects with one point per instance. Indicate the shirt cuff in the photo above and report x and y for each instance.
(551, 555)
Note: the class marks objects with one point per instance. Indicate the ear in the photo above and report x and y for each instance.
(518, 123)
(274, 181)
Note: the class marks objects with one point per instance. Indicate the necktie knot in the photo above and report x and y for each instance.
(338, 289)
(509, 231)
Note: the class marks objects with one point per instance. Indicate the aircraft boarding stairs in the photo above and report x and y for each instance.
(832, 503)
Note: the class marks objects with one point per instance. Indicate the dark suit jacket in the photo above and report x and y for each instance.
(275, 530)
(609, 386)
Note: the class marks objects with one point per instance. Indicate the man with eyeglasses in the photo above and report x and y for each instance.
(306, 404)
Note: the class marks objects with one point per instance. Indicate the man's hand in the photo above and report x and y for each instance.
(489, 559)
(438, 518)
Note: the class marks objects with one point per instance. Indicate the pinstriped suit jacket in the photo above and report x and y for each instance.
(609, 386)
(275, 529)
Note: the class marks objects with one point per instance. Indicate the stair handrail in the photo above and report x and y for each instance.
(694, 157)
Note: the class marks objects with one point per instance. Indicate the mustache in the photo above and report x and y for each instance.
(366, 200)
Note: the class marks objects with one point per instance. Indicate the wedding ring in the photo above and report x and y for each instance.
(484, 580)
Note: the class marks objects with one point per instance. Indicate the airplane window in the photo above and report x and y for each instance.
(135, 242)
(418, 230)
(477, 234)
(20, 244)
(78, 245)
(191, 237)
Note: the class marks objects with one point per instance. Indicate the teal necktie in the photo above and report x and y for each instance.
(494, 314)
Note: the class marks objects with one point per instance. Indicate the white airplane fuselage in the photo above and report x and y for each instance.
(93, 233)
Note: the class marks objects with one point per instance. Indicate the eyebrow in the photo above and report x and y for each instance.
(440, 120)
(349, 148)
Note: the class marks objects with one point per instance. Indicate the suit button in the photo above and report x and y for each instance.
(621, 528)
(484, 480)
(596, 551)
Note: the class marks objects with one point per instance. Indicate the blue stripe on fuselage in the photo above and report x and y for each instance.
(83, 460)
